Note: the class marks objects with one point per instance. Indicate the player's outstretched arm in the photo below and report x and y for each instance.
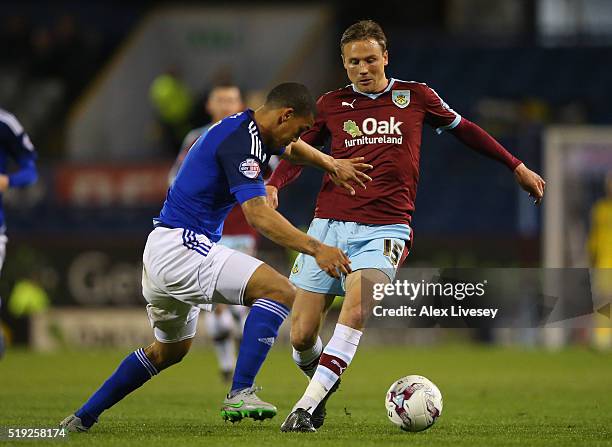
(343, 172)
(478, 139)
(275, 227)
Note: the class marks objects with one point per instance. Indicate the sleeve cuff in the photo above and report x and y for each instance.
(247, 192)
(450, 126)
(273, 182)
(514, 163)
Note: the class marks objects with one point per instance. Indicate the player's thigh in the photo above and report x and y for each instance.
(309, 310)
(230, 282)
(265, 282)
(373, 260)
(183, 265)
(306, 273)
(200, 273)
(184, 272)
(358, 301)
(243, 279)
(381, 253)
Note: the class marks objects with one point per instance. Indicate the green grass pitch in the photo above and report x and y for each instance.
(492, 396)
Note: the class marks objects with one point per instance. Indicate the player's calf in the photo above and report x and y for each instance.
(134, 371)
(307, 358)
(270, 295)
(309, 310)
(335, 359)
(339, 352)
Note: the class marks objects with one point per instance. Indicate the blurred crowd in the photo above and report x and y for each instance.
(45, 66)
(48, 51)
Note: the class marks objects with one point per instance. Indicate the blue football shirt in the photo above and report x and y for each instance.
(224, 166)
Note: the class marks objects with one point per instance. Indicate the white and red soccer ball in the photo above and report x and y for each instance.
(413, 403)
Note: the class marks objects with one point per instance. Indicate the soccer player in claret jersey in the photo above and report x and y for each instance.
(380, 119)
(185, 270)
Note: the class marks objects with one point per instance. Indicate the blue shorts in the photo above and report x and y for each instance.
(379, 247)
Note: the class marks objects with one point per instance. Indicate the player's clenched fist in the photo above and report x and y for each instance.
(332, 261)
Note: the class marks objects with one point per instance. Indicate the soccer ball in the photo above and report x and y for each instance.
(413, 403)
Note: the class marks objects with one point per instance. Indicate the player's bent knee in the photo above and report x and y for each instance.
(285, 292)
(168, 359)
(353, 317)
(268, 283)
(304, 333)
(164, 355)
(302, 340)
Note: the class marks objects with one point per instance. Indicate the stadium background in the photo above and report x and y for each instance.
(79, 77)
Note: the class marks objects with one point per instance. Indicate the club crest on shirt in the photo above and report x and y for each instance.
(401, 98)
(352, 128)
(249, 168)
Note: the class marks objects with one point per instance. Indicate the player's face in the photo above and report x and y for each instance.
(290, 127)
(223, 102)
(365, 61)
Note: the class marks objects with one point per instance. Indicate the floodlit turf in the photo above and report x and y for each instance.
(492, 396)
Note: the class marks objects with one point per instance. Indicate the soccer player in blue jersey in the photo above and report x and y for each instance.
(224, 324)
(185, 270)
(15, 145)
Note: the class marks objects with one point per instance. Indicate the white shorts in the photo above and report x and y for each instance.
(183, 273)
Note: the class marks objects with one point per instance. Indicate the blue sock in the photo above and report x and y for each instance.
(260, 331)
(131, 374)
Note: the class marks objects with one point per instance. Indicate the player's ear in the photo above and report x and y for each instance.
(386, 58)
(286, 115)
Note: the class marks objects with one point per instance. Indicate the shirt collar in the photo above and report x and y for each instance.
(266, 149)
(375, 95)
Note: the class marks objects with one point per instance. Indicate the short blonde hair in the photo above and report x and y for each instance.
(364, 30)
